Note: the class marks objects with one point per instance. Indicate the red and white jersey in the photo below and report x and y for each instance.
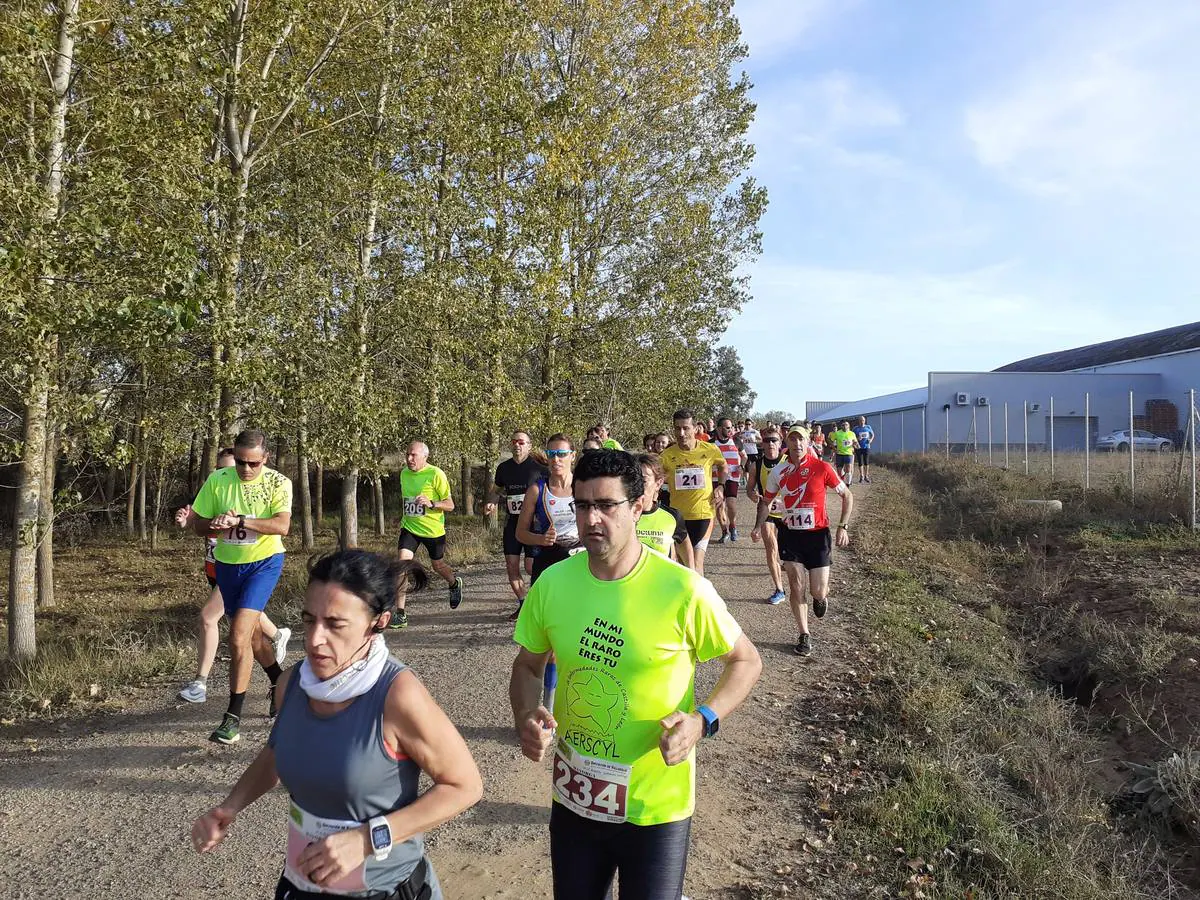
(733, 458)
(801, 490)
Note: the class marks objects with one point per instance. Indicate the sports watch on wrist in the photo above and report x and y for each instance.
(381, 837)
(712, 723)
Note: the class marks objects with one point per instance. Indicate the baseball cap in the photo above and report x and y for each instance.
(799, 429)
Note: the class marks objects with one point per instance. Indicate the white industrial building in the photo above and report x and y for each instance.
(1088, 388)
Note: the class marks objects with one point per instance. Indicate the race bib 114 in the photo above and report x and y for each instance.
(801, 518)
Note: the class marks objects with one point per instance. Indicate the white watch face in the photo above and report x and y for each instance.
(381, 837)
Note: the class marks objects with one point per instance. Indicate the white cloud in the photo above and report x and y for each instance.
(1104, 107)
(773, 28)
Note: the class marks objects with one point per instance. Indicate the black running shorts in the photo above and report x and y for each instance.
(862, 456)
(513, 547)
(435, 546)
(697, 529)
(811, 549)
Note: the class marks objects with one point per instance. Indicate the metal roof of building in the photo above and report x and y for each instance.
(917, 397)
(1140, 346)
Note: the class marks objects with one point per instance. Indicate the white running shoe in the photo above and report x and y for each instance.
(280, 644)
(194, 692)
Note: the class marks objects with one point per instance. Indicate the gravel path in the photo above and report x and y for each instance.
(102, 807)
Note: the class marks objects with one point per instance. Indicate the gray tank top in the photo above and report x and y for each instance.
(338, 767)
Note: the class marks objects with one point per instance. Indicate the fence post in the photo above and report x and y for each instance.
(1025, 407)
(1005, 434)
(1192, 416)
(991, 444)
(1051, 437)
(947, 411)
(924, 433)
(1131, 445)
(901, 432)
(975, 431)
(1087, 440)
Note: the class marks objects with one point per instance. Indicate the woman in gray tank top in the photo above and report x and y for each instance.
(356, 728)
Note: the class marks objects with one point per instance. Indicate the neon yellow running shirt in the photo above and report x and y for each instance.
(430, 482)
(627, 653)
(843, 441)
(660, 529)
(268, 494)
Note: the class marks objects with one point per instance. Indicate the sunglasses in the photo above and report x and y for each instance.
(553, 453)
(249, 463)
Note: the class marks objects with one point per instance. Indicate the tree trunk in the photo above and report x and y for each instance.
(141, 506)
(22, 577)
(158, 494)
(45, 552)
(192, 487)
(306, 517)
(348, 537)
(135, 476)
(467, 488)
(319, 501)
(380, 512)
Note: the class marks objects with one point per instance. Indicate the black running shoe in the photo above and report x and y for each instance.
(803, 646)
(399, 620)
(271, 710)
(820, 607)
(456, 593)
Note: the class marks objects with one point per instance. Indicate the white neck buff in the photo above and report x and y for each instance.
(351, 682)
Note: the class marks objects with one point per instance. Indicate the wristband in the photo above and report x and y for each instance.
(844, 527)
(241, 522)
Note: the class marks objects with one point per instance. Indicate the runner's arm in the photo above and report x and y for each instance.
(525, 685)
(742, 668)
(493, 498)
(525, 520)
(684, 553)
(423, 731)
(280, 524)
(260, 776)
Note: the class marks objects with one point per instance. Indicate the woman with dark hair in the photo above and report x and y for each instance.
(547, 519)
(355, 730)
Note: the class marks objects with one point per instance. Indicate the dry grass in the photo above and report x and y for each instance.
(986, 793)
(126, 617)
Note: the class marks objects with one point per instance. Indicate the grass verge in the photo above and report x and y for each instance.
(986, 788)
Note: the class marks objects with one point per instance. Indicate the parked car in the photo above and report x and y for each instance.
(1142, 440)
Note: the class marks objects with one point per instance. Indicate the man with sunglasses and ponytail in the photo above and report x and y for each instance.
(247, 507)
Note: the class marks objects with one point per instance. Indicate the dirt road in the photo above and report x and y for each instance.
(101, 808)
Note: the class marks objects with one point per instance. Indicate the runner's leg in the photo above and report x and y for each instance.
(404, 554)
(581, 857)
(796, 596)
(699, 530)
(651, 860)
(818, 584)
(770, 541)
(209, 634)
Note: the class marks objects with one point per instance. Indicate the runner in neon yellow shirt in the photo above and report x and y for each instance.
(628, 627)
(248, 508)
(600, 432)
(661, 528)
(426, 500)
(844, 444)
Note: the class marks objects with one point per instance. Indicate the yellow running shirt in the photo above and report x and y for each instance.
(689, 476)
(268, 494)
(843, 442)
(430, 482)
(627, 653)
(661, 529)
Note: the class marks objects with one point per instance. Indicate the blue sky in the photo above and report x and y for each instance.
(957, 185)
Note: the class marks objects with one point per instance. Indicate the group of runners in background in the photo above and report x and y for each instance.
(616, 606)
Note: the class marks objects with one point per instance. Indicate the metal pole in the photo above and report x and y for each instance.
(947, 431)
(1131, 445)
(975, 430)
(1005, 434)
(1051, 438)
(1025, 405)
(1087, 440)
(989, 434)
(1192, 416)
(924, 433)
(901, 432)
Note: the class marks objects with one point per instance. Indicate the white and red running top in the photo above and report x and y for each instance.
(801, 488)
